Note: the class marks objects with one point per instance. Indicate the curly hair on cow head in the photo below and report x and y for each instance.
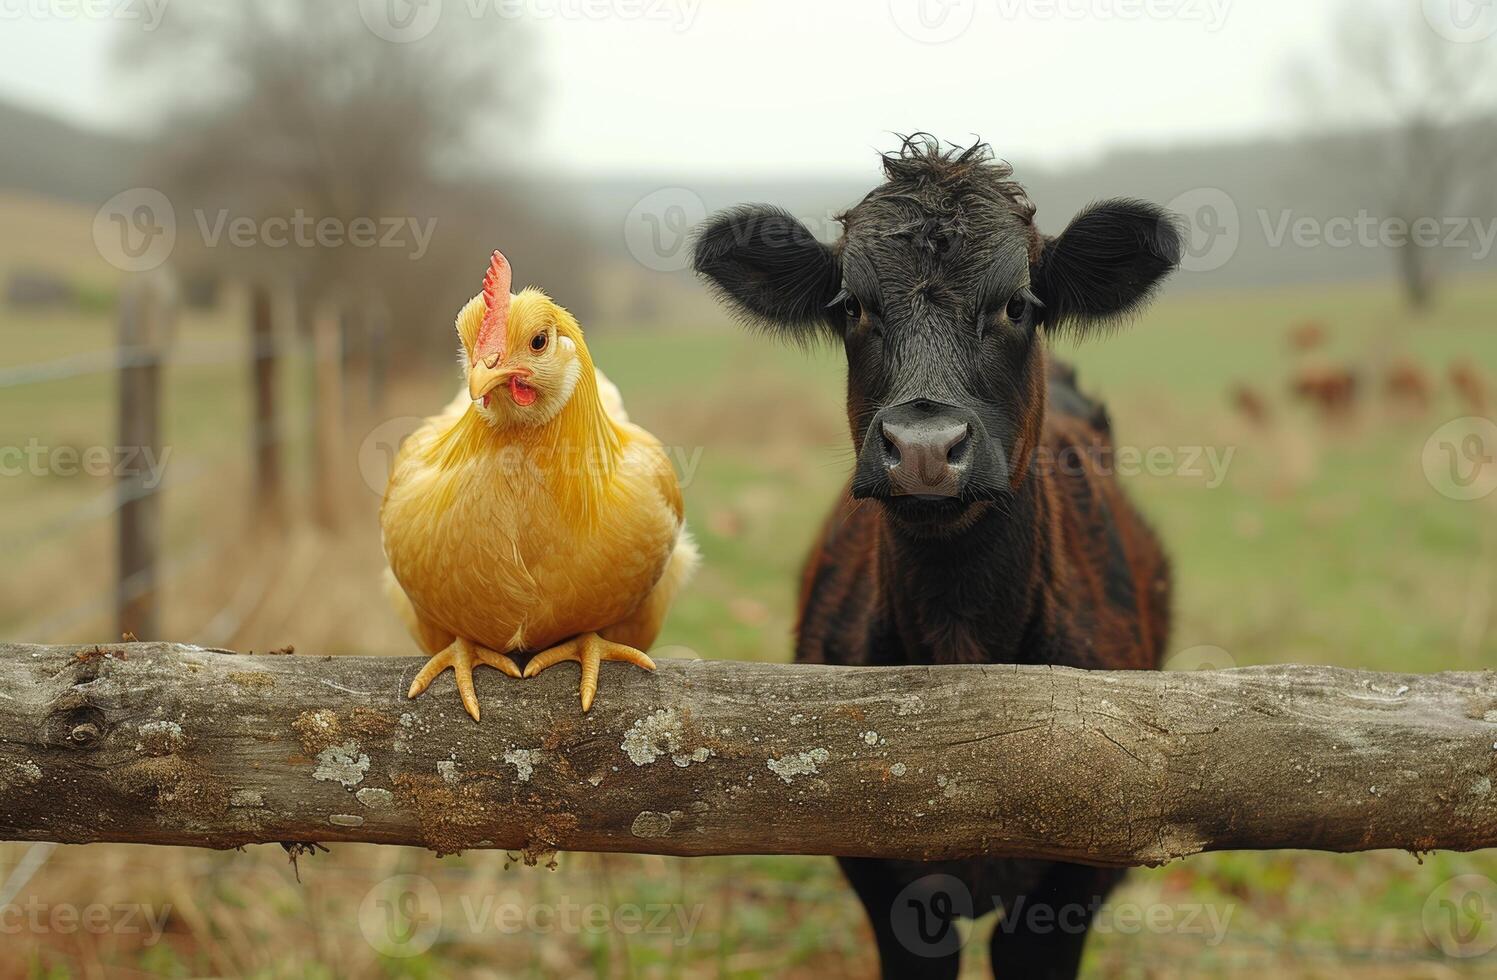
(938, 174)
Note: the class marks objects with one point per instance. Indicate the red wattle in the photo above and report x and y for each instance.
(522, 393)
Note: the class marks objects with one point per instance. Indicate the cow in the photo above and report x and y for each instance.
(1308, 335)
(1408, 387)
(1331, 390)
(1470, 387)
(1251, 404)
(982, 522)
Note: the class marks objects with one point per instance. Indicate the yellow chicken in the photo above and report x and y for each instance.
(531, 516)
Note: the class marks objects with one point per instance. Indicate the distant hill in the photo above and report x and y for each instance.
(43, 155)
(1241, 197)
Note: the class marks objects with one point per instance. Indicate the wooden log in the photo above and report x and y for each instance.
(164, 744)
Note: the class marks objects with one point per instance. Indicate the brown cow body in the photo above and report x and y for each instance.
(1066, 573)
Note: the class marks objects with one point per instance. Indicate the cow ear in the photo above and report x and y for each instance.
(1106, 264)
(770, 269)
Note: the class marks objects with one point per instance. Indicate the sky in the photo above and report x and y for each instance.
(737, 87)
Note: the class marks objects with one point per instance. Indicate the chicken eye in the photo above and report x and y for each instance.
(1017, 309)
(539, 341)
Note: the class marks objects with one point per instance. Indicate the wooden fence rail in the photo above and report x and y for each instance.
(167, 744)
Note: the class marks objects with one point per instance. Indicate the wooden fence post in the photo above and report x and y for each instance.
(378, 335)
(353, 327)
(327, 414)
(145, 327)
(265, 426)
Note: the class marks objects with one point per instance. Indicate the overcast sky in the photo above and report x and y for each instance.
(807, 86)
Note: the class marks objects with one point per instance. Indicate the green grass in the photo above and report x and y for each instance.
(1320, 545)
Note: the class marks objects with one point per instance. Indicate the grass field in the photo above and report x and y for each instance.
(1317, 544)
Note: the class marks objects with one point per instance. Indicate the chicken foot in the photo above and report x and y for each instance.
(589, 650)
(462, 656)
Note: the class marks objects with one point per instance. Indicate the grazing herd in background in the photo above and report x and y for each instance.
(1336, 392)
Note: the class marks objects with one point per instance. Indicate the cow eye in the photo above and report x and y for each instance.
(1017, 309)
(846, 304)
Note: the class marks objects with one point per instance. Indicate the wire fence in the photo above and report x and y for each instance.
(92, 363)
(142, 366)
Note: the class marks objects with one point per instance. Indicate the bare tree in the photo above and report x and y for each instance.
(1408, 117)
(280, 108)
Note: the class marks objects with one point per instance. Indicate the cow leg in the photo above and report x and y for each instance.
(1043, 932)
(915, 929)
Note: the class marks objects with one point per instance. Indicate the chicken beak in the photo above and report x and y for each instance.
(484, 377)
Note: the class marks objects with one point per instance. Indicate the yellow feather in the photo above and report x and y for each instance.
(581, 446)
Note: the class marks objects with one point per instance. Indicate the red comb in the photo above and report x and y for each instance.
(491, 333)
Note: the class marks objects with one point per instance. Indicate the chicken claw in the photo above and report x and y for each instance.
(462, 656)
(589, 650)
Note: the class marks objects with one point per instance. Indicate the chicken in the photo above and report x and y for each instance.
(531, 516)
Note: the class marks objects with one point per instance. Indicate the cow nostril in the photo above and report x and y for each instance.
(959, 449)
(892, 455)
